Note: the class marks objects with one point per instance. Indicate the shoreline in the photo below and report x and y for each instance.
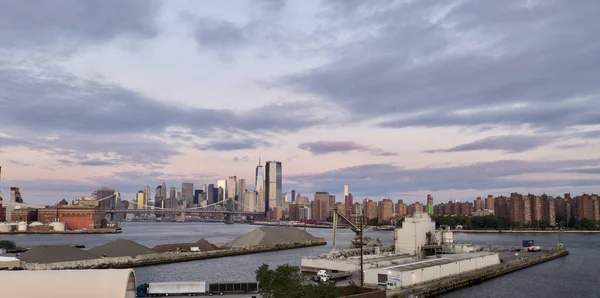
(168, 258)
(526, 231)
(96, 231)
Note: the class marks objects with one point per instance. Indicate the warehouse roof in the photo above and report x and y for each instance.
(443, 259)
(118, 283)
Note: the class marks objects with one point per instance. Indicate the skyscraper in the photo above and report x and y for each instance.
(232, 188)
(210, 194)
(346, 190)
(172, 197)
(273, 184)
(140, 200)
(164, 192)
(187, 193)
(241, 192)
(293, 193)
(223, 185)
(146, 195)
(259, 178)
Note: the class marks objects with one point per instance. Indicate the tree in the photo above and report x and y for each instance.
(283, 282)
(286, 282)
(373, 222)
(7, 244)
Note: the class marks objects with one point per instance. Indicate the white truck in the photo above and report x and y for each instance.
(157, 289)
(324, 276)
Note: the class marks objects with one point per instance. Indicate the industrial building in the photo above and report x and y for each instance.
(421, 253)
(434, 267)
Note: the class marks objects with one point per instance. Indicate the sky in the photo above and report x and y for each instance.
(456, 98)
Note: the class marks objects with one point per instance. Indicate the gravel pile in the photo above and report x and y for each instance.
(55, 253)
(202, 244)
(271, 235)
(121, 248)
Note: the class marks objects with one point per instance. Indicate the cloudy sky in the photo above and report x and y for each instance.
(395, 98)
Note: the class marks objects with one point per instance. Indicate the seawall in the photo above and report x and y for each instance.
(526, 231)
(170, 257)
(469, 279)
(95, 231)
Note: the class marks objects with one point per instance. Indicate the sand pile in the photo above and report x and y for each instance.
(55, 253)
(121, 248)
(202, 244)
(271, 235)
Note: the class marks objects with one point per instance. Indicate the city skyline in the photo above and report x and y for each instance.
(458, 100)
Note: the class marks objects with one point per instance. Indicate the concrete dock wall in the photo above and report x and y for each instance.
(483, 275)
(165, 258)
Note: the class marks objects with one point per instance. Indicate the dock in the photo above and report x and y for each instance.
(510, 263)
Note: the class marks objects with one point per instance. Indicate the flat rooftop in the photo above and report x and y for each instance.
(443, 259)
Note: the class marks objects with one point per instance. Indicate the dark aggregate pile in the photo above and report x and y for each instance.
(202, 244)
(55, 253)
(121, 248)
(271, 235)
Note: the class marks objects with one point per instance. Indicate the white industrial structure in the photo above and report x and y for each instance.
(414, 234)
(412, 273)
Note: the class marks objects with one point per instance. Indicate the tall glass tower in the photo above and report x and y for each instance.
(259, 179)
(273, 185)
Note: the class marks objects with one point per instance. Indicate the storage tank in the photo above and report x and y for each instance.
(58, 226)
(35, 224)
(447, 237)
(22, 226)
(5, 228)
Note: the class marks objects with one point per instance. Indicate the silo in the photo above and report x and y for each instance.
(5, 228)
(22, 226)
(58, 226)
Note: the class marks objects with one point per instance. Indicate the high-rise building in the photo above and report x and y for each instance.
(536, 208)
(400, 209)
(210, 194)
(261, 201)
(386, 209)
(429, 204)
(232, 188)
(241, 190)
(147, 195)
(250, 201)
(222, 194)
(273, 184)
(293, 195)
(346, 191)
(259, 178)
(489, 202)
(105, 193)
(479, 204)
(318, 209)
(172, 202)
(159, 201)
(198, 194)
(501, 207)
(348, 202)
(187, 194)
(370, 210)
(139, 198)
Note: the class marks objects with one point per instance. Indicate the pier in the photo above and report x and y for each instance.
(510, 263)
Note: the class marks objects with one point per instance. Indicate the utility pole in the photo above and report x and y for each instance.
(362, 272)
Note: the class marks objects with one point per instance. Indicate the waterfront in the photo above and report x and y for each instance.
(572, 276)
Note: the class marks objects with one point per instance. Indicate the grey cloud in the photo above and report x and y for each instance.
(386, 179)
(16, 162)
(64, 162)
(479, 56)
(97, 163)
(240, 159)
(129, 149)
(512, 144)
(233, 145)
(327, 147)
(40, 23)
(54, 101)
(591, 171)
(218, 34)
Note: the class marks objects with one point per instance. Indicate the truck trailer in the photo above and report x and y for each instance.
(193, 288)
(324, 276)
(158, 289)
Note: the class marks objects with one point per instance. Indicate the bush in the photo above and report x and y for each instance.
(7, 244)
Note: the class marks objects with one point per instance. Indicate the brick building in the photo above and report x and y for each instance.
(26, 215)
(318, 209)
(386, 210)
(74, 217)
(479, 204)
(400, 209)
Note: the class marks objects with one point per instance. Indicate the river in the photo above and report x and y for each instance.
(572, 276)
